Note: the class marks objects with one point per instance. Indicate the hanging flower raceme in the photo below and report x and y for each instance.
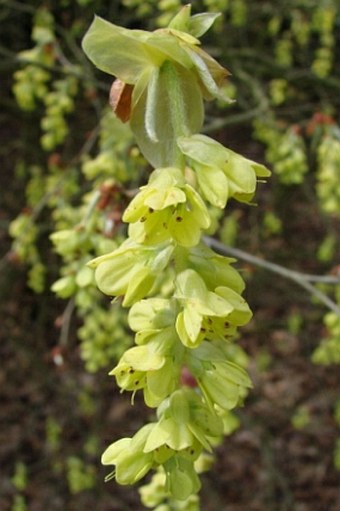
(167, 209)
(168, 75)
(185, 299)
(221, 173)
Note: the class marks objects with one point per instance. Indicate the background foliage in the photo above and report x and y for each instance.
(59, 144)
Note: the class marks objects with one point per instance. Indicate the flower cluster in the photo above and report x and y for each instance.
(185, 299)
(167, 208)
(185, 426)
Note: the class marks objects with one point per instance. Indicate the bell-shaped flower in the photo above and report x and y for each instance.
(170, 76)
(204, 309)
(151, 316)
(129, 458)
(185, 424)
(131, 270)
(167, 208)
(215, 269)
(223, 383)
(221, 173)
(153, 366)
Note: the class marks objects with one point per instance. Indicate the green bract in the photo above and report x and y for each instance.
(170, 75)
(221, 173)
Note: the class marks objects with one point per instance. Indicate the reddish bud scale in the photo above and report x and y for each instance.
(120, 99)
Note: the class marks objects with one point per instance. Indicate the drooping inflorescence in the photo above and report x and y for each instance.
(185, 300)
